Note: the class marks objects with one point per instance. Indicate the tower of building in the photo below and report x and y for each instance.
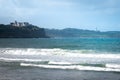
(19, 24)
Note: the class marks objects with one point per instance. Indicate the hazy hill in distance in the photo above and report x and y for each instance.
(72, 32)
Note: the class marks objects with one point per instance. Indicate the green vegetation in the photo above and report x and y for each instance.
(8, 31)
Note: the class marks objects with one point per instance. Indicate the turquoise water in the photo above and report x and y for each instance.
(97, 44)
(95, 54)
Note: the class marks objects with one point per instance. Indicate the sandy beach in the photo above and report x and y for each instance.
(33, 73)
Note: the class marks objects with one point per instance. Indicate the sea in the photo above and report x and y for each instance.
(60, 59)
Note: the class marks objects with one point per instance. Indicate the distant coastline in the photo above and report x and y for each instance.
(73, 32)
(26, 30)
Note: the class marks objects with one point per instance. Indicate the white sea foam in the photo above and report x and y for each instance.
(76, 67)
(34, 60)
(58, 52)
(59, 63)
(19, 60)
(29, 51)
(113, 66)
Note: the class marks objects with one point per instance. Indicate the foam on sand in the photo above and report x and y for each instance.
(76, 67)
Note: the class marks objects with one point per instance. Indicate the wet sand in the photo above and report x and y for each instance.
(32, 73)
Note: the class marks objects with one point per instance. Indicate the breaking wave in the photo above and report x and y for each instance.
(61, 59)
(74, 67)
(60, 65)
(57, 51)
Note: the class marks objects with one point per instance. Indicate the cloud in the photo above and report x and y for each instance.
(11, 9)
(33, 7)
(61, 12)
(104, 6)
(30, 8)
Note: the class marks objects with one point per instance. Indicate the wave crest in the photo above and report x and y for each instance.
(58, 52)
(74, 67)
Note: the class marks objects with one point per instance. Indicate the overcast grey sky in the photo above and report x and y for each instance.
(82, 14)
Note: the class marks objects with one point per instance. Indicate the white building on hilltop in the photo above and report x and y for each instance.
(19, 24)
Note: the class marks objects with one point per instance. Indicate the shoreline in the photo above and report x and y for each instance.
(30, 73)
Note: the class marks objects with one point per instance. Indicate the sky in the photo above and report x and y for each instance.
(82, 14)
